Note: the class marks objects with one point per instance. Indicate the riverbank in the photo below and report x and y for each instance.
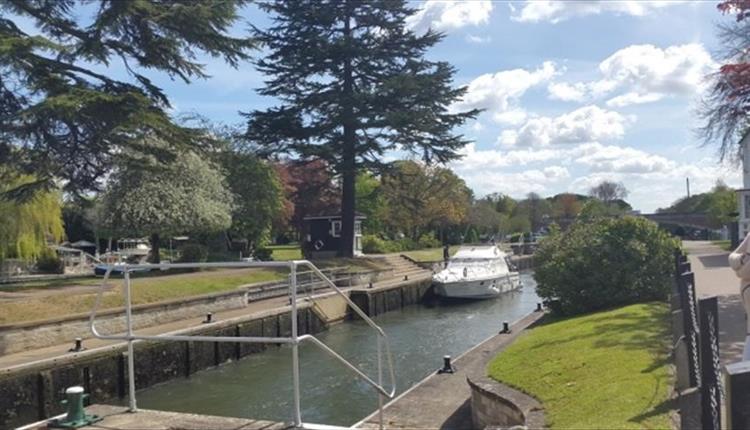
(607, 369)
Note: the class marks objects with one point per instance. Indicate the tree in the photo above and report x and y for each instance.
(567, 205)
(309, 185)
(353, 82)
(28, 225)
(418, 196)
(609, 191)
(725, 109)
(258, 198)
(60, 119)
(535, 208)
(370, 202)
(188, 195)
(488, 220)
(722, 207)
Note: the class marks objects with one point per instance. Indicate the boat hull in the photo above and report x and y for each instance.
(478, 289)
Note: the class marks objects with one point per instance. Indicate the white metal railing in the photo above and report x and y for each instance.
(294, 340)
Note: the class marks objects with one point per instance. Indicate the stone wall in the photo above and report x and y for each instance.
(496, 405)
(33, 392)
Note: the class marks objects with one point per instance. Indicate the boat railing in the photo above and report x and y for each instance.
(383, 345)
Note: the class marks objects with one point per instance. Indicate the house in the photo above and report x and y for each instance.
(322, 235)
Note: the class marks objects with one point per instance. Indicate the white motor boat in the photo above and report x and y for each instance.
(476, 272)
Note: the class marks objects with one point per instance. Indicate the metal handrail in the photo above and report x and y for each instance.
(294, 340)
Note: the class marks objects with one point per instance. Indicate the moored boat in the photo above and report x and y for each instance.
(476, 272)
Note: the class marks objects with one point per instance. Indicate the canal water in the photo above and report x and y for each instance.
(260, 385)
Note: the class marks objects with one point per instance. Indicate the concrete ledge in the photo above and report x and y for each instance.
(494, 404)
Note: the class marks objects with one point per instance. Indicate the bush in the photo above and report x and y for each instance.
(193, 253)
(428, 240)
(605, 263)
(263, 254)
(49, 262)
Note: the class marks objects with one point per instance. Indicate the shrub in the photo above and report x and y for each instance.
(263, 254)
(428, 240)
(604, 263)
(49, 262)
(193, 253)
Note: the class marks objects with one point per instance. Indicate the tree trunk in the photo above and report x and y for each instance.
(348, 160)
(155, 258)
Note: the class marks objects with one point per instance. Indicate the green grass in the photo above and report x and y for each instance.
(148, 289)
(430, 254)
(726, 245)
(286, 252)
(603, 370)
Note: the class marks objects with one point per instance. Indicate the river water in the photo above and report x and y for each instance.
(260, 385)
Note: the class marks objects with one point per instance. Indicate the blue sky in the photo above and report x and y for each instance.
(575, 92)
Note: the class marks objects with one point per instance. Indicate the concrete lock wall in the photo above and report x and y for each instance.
(496, 405)
(384, 299)
(31, 393)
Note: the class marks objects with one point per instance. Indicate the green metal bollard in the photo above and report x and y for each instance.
(76, 416)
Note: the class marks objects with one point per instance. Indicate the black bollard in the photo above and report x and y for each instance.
(506, 327)
(369, 285)
(209, 318)
(406, 277)
(538, 307)
(78, 345)
(447, 367)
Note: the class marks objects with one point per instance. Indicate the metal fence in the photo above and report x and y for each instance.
(695, 325)
(293, 289)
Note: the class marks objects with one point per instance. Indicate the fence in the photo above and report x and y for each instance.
(695, 326)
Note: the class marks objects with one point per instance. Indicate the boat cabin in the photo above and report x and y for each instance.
(322, 235)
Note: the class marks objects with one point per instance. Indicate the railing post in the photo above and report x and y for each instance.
(692, 332)
(708, 309)
(131, 360)
(295, 346)
(381, 419)
(737, 383)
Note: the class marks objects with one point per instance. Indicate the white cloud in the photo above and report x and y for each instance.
(499, 92)
(449, 15)
(478, 39)
(646, 73)
(618, 159)
(586, 124)
(557, 11)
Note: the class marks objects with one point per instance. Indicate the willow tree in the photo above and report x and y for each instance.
(28, 225)
(353, 83)
(188, 195)
(60, 118)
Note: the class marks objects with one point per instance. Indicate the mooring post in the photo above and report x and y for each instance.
(78, 345)
(539, 307)
(506, 327)
(447, 367)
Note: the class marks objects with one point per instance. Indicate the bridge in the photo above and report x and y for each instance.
(693, 220)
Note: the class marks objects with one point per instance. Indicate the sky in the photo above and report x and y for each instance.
(574, 92)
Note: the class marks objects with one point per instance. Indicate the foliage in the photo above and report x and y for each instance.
(263, 254)
(309, 187)
(62, 119)
(187, 195)
(608, 370)
(258, 198)
(720, 204)
(193, 253)
(609, 191)
(355, 83)
(567, 205)
(418, 196)
(605, 262)
(49, 262)
(370, 202)
(725, 108)
(487, 219)
(372, 244)
(26, 226)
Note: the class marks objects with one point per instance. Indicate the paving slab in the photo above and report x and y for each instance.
(714, 277)
(118, 418)
(441, 401)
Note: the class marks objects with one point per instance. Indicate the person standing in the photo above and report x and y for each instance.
(739, 261)
(446, 255)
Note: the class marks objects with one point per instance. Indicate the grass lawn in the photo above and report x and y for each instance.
(430, 254)
(603, 370)
(286, 252)
(726, 245)
(146, 289)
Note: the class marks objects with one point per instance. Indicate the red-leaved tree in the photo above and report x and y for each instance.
(726, 107)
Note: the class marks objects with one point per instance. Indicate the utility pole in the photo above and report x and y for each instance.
(687, 180)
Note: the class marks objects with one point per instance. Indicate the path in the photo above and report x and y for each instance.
(714, 277)
(442, 401)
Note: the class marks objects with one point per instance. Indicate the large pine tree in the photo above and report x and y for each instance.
(353, 83)
(62, 117)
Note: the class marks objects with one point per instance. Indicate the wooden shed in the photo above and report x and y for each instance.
(322, 235)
